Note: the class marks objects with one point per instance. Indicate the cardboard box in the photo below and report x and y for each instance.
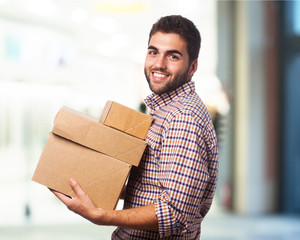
(97, 156)
(101, 177)
(88, 132)
(126, 119)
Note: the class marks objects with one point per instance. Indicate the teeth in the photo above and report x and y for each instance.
(159, 75)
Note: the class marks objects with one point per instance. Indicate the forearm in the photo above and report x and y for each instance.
(136, 218)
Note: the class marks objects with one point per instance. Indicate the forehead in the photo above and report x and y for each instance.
(168, 41)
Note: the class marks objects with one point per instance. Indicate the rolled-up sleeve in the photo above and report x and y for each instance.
(187, 173)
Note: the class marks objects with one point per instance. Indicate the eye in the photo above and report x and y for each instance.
(152, 52)
(174, 57)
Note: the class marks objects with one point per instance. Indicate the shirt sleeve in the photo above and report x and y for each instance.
(187, 174)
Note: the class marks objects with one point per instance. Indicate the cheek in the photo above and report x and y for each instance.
(148, 62)
(176, 69)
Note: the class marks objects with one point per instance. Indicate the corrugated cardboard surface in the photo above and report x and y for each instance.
(101, 177)
(97, 156)
(92, 134)
(125, 119)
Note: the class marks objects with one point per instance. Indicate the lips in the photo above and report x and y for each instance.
(159, 76)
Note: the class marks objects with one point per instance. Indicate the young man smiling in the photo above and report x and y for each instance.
(167, 64)
(171, 191)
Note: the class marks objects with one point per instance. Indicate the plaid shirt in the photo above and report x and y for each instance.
(179, 169)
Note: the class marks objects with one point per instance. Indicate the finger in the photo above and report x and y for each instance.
(76, 187)
(64, 198)
(81, 194)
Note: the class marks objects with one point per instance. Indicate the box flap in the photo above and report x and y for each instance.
(72, 124)
(101, 177)
(105, 111)
(92, 134)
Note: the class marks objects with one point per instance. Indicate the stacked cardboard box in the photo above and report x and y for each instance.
(126, 120)
(99, 155)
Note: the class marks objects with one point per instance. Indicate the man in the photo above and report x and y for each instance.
(171, 191)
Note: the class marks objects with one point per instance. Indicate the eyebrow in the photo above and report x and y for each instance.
(168, 52)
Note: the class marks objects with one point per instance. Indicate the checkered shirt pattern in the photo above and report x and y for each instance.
(178, 171)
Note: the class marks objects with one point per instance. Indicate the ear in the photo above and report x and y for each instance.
(193, 68)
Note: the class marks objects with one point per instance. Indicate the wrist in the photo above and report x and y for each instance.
(97, 216)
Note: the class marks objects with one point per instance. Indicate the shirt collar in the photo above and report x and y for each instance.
(155, 101)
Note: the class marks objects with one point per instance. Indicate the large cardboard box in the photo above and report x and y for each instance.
(102, 177)
(97, 156)
(125, 119)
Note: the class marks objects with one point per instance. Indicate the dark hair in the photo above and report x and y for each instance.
(182, 26)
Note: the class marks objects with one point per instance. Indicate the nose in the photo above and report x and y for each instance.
(160, 62)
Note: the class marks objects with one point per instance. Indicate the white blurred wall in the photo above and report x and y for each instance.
(79, 54)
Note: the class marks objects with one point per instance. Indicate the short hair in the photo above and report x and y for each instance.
(182, 26)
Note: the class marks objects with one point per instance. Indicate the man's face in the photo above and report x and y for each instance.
(167, 63)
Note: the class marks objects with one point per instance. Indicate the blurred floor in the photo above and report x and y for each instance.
(234, 227)
(217, 226)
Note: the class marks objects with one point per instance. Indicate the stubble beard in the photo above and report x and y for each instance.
(170, 85)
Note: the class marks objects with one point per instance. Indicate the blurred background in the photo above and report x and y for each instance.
(81, 53)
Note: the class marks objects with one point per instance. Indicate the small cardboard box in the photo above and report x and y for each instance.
(97, 156)
(125, 119)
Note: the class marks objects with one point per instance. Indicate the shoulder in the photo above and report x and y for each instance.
(191, 108)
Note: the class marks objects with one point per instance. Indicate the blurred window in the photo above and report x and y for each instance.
(291, 106)
(296, 22)
(292, 17)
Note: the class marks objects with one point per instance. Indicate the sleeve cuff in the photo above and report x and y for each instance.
(170, 222)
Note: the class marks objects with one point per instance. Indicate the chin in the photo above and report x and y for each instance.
(156, 89)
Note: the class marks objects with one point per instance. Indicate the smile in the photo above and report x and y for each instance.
(159, 76)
